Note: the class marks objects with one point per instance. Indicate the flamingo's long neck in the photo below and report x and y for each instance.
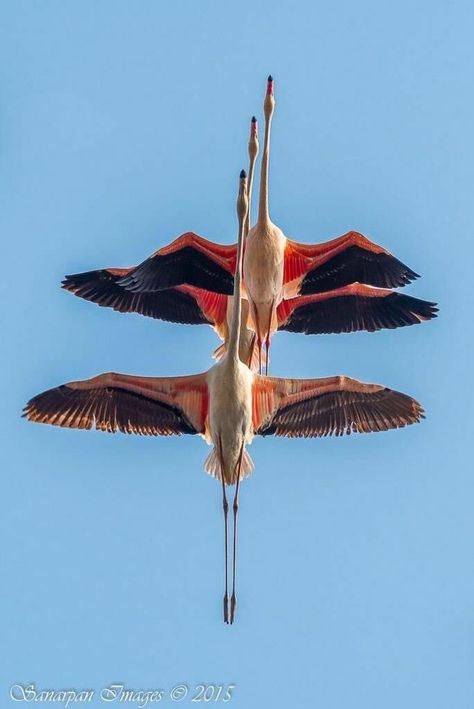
(263, 212)
(242, 209)
(253, 152)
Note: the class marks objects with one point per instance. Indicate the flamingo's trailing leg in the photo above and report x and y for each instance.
(233, 598)
(225, 506)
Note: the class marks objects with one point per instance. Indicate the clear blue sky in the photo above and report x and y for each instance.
(124, 124)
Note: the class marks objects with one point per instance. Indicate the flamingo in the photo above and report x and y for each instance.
(228, 406)
(345, 309)
(331, 279)
(275, 267)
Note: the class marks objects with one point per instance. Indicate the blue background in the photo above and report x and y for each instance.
(124, 124)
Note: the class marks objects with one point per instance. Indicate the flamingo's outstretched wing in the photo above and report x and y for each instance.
(352, 308)
(190, 260)
(299, 408)
(186, 305)
(348, 259)
(112, 402)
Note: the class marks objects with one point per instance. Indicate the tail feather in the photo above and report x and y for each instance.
(213, 466)
(219, 352)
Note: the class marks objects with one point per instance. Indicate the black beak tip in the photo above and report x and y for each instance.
(243, 174)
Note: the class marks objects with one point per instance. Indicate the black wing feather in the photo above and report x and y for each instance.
(102, 287)
(107, 409)
(344, 412)
(350, 313)
(184, 266)
(355, 264)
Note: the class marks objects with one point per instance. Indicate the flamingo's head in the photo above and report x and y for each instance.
(253, 140)
(269, 103)
(242, 199)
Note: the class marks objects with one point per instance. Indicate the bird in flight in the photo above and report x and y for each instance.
(338, 286)
(228, 406)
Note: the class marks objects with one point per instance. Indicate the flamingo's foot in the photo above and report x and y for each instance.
(233, 607)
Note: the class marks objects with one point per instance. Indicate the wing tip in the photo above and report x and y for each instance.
(69, 283)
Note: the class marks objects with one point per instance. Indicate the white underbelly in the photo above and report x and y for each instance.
(230, 403)
(263, 269)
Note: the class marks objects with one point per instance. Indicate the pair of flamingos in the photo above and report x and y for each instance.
(246, 292)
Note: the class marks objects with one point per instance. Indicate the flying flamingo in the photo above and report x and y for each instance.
(227, 405)
(329, 277)
(274, 266)
(344, 309)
